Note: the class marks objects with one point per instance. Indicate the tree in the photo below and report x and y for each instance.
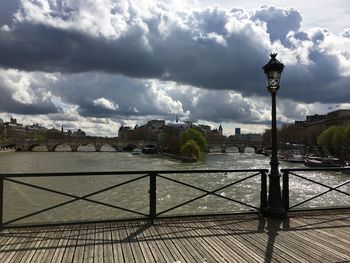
(326, 138)
(171, 143)
(191, 149)
(195, 135)
(347, 135)
(338, 137)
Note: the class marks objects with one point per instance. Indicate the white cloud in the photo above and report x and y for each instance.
(105, 103)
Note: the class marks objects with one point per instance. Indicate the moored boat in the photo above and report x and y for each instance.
(136, 151)
(315, 161)
(293, 157)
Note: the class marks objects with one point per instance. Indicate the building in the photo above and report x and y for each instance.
(123, 132)
(237, 131)
(337, 118)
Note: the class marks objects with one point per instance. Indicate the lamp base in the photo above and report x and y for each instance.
(278, 213)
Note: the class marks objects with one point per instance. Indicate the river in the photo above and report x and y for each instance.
(20, 200)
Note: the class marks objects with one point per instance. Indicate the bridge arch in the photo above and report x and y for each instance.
(110, 147)
(251, 146)
(150, 148)
(59, 147)
(216, 148)
(129, 147)
(32, 146)
(19, 149)
(230, 149)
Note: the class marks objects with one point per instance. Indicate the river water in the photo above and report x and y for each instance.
(21, 200)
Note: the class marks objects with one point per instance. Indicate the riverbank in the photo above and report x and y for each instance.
(7, 151)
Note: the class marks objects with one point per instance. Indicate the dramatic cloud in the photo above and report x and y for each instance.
(23, 93)
(105, 103)
(131, 60)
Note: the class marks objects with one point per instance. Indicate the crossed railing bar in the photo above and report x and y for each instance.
(75, 198)
(287, 172)
(152, 184)
(208, 193)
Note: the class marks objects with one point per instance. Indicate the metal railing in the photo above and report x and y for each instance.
(286, 195)
(152, 185)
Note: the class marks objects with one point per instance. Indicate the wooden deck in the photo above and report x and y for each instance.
(300, 238)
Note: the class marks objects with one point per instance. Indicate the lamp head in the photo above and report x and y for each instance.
(273, 71)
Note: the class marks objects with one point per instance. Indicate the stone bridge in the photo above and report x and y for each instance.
(241, 145)
(27, 145)
(122, 144)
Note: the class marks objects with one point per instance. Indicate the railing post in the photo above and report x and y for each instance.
(263, 193)
(285, 192)
(152, 196)
(1, 200)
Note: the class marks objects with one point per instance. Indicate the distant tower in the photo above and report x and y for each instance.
(177, 118)
(220, 129)
(237, 131)
(62, 129)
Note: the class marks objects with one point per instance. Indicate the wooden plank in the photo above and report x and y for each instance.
(231, 241)
(7, 240)
(190, 243)
(89, 249)
(108, 256)
(117, 246)
(213, 241)
(47, 246)
(259, 241)
(133, 243)
(98, 254)
(81, 243)
(325, 248)
(158, 231)
(136, 230)
(69, 251)
(37, 257)
(323, 237)
(146, 238)
(19, 247)
(155, 239)
(168, 243)
(200, 243)
(36, 245)
(63, 242)
(294, 246)
(223, 239)
(187, 256)
(126, 247)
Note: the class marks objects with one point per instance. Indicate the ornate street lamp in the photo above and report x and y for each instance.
(273, 71)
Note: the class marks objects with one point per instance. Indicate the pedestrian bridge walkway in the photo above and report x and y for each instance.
(311, 237)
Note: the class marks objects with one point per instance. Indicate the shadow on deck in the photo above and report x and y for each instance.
(242, 238)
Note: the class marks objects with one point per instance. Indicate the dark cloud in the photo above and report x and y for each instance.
(33, 47)
(7, 11)
(8, 104)
(213, 49)
(131, 97)
(16, 97)
(279, 21)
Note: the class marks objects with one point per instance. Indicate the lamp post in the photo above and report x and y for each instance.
(273, 71)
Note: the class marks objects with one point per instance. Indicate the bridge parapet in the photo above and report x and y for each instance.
(73, 142)
(241, 145)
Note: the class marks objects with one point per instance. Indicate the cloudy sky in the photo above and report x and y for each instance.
(99, 64)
